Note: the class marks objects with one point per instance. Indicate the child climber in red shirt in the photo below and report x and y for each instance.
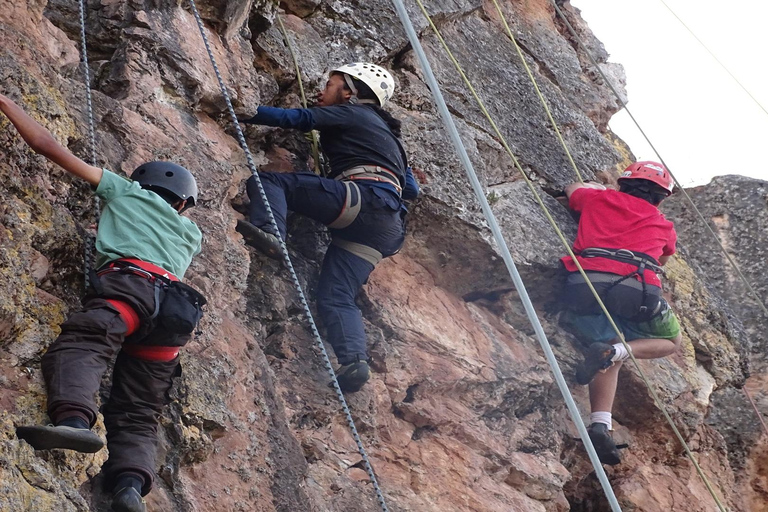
(622, 242)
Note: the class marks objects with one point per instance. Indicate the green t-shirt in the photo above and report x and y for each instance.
(137, 223)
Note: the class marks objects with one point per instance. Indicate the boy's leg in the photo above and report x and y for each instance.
(139, 393)
(72, 368)
(318, 198)
(341, 277)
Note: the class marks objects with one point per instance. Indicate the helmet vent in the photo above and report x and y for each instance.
(169, 173)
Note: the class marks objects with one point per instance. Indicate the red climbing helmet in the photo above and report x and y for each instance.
(650, 171)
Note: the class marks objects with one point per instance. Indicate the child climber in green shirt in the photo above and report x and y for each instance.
(136, 310)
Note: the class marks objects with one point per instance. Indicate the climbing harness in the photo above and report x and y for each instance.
(89, 242)
(504, 249)
(688, 198)
(317, 155)
(351, 208)
(372, 173)
(642, 261)
(289, 265)
(567, 246)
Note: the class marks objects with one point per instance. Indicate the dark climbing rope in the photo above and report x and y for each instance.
(87, 238)
(289, 265)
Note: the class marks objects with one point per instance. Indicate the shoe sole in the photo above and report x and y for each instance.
(606, 449)
(65, 438)
(598, 358)
(260, 240)
(354, 380)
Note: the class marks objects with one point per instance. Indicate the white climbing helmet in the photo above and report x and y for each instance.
(377, 78)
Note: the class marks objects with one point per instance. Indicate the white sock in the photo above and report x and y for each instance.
(621, 352)
(601, 417)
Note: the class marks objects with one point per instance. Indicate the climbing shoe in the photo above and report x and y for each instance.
(606, 449)
(128, 499)
(266, 243)
(353, 376)
(598, 358)
(64, 437)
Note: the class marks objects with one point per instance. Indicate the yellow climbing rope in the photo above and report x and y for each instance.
(312, 134)
(566, 244)
(538, 91)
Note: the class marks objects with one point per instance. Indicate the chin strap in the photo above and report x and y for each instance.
(354, 100)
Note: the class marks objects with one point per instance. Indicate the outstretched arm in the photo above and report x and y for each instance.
(570, 189)
(41, 141)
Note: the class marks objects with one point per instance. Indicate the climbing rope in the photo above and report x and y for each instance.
(316, 156)
(504, 249)
(289, 264)
(536, 87)
(88, 247)
(754, 406)
(699, 215)
(568, 248)
(715, 57)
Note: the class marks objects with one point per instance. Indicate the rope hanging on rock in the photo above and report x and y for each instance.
(504, 249)
(688, 198)
(88, 241)
(316, 156)
(289, 264)
(711, 53)
(536, 87)
(568, 248)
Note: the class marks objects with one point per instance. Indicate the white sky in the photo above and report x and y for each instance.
(700, 120)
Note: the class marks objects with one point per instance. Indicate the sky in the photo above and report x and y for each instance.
(699, 119)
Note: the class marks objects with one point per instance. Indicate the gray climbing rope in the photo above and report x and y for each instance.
(88, 240)
(505, 254)
(289, 265)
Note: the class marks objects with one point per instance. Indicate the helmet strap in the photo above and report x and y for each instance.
(351, 84)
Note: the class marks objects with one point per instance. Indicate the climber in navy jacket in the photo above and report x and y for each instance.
(360, 200)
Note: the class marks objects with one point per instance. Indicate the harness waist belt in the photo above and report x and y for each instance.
(373, 173)
(138, 267)
(369, 254)
(636, 258)
(151, 352)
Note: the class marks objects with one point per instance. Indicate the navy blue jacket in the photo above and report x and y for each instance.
(351, 135)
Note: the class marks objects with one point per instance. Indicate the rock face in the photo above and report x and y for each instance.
(734, 207)
(462, 413)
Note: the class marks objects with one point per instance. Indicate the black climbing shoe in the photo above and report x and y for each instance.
(264, 242)
(606, 449)
(128, 499)
(598, 358)
(67, 438)
(353, 376)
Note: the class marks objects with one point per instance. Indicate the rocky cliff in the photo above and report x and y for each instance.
(462, 413)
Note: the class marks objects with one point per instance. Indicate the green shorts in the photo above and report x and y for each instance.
(597, 328)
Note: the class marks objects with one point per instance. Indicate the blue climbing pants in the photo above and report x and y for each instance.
(380, 225)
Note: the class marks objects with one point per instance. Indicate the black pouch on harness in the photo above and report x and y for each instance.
(181, 309)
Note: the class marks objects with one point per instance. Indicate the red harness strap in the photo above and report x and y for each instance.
(132, 321)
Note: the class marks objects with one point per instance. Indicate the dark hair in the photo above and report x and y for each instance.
(365, 93)
(644, 189)
(169, 197)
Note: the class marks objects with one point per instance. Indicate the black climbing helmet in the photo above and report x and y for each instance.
(167, 177)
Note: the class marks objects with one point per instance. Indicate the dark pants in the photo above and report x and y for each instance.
(75, 363)
(380, 225)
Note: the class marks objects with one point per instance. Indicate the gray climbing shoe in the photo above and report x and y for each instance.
(606, 449)
(598, 358)
(66, 438)
(264, 242)
(128, 499)
(352, 377)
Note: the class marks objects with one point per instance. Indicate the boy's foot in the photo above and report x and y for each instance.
(128, 499)
(67, 438)
(267, 243)
(598, 358)
(353, 376)
(606, 449)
